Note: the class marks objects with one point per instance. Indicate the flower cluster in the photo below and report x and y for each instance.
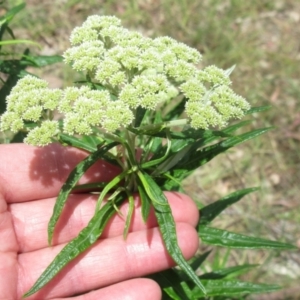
(133, 71)
(29, 101)
(83, 108)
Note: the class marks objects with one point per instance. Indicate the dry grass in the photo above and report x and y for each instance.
(262, 38)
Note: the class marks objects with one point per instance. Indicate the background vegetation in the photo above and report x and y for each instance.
(262, 37)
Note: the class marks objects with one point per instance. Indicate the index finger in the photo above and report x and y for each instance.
(30, 173)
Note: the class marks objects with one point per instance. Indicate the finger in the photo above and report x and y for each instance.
(31, 219)
(133, 289)
(107, 262)
(28, 173)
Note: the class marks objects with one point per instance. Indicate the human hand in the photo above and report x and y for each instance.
(30, 179)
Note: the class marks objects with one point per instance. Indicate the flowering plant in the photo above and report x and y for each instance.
(145, 106)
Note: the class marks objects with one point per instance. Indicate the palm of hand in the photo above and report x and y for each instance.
(27, 195)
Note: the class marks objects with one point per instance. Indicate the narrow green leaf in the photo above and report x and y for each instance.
(93, 141)
(171, 161)
(233, 287)
(176, 146)
(140, 113)
(172, 284)
(14, 67)
(227, 272)
(230, 70)
(95, 186)
(211, 211)
(11, 13)
(218, 237)
(10, 32)
(198, 134)
(11, 42)
(110, 185)
(176, 111)
(201, 157)
(167, 225)
(233, 141)
(253, 110)
(198, 261)
(155, 162)
(145, 201)
(89, 144)
(70, 183)
(195, 263)
(193, 158)
(18, 137)
(43, 60)
(87, 237)
(129, 216)
(232, 128)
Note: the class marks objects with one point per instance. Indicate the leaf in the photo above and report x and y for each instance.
(92, 141)
(232, 287)
(197, 262)
(176, 146)
(230, 70)
(12, 42)
(140, 113)
(253, 110)
(18, 137)
(110, 185)
(197, 134)
(89, 143)
(146, 203)
(171, 161)
(218, 237)
(70, 183)
(227, 272)
(176, 111)
(87, 237)
(156, 161)
(232, 128)
(172, 284)
(211, 211)
(129, 215)
(167, 225)
(183, 165)
(15, 66)
(5, 90)
(43, 60)
(198, 158)
(233, 141)
(89, 187)
(11, 13)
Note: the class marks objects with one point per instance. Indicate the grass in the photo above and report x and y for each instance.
(262, 39)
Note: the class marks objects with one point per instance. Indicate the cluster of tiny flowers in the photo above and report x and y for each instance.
(145, 72)
(135, 71)
(83, 108)
(142, 71)
(211, 100)
(28, 102)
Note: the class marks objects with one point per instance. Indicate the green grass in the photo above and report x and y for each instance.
(262, 39)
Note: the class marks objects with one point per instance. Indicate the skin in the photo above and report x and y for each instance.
(30, 179)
